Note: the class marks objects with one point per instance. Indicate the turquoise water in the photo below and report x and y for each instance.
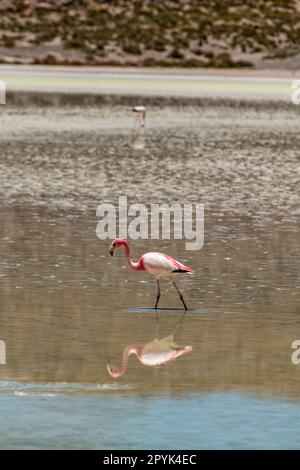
(201, 421)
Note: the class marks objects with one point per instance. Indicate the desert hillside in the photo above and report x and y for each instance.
(188, 33)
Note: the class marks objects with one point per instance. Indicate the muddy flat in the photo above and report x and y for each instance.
(241, 84)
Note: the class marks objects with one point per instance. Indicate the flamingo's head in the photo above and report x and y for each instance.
(115, 244)
(114, 372)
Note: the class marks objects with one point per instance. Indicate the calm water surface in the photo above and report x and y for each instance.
(68, 308)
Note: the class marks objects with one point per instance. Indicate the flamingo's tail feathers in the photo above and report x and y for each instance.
(188, 271)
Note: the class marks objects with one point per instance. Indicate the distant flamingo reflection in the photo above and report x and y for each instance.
(138, 142)
(153, 353)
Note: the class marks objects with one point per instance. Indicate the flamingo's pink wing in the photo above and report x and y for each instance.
(177, 266)
(164, 263)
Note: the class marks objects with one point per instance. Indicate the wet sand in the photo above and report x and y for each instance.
(216, 83)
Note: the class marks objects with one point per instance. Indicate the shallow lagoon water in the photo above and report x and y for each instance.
(205, 421)
(67, 308)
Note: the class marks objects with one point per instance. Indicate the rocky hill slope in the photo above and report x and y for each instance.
(191, 33)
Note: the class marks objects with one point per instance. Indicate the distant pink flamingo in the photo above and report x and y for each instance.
(153, 353)
(157, 264)
(141, 111)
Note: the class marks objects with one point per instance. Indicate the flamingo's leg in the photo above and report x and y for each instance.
(180, 295)
(158, 294)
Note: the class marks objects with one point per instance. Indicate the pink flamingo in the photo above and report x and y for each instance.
(153, 353)
(141, 111)
(157, 264)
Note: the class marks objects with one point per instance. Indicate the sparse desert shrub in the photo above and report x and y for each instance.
(192, 63)
(176, 54)
(270, 28)
(159, 45)
(132, 48)
(49, 59)
(209, 54)
(7, 41)
(224, 60)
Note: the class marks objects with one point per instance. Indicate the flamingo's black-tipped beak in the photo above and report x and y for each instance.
(112, 249)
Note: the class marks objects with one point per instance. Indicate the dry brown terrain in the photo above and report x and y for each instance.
(186, 33)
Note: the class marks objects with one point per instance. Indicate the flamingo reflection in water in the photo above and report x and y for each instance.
(138, 142)
(153, 353)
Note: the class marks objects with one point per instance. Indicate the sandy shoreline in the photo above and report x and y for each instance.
(241, 72)
(240, 84)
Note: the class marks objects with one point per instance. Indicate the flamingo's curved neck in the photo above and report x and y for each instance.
(136, 265)
(132, 349)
